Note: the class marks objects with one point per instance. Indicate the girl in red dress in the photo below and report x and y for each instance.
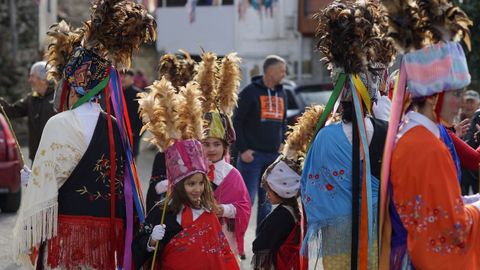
(190, 235)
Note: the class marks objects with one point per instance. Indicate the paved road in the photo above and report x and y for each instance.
(144, 164)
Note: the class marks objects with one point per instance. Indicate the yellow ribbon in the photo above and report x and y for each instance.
(363, 92)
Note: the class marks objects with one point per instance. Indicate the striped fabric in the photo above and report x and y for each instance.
(437, 68)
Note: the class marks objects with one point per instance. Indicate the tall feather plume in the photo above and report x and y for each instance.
(190, 113)
(159, 109)
(207, 79)
(62, 41)
(229, 83)
(179, 71)
(382, 49)
(443, 21)
(405, 24)
(417, 23)
(300, 134)
(117, 28)
(167, 67)
(349, 36)
(186, 69)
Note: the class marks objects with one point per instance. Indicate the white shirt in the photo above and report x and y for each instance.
(87, 114)
(382, 108)
(413, 119)
(347, 129)
(195, 214)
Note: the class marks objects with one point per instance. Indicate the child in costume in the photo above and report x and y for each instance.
(427, 225)
(190, 235)
(230, 191)
(179, 71)
(78, 207)
(278, 242)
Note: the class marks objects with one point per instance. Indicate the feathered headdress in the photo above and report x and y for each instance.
(175, 120)
(229, 83)
(177, 70)
(352, 35)
(207, 78)
(116, 28)
(414, 24)
(158, 110)
(298, 138)
(219, 83)
(170, 116)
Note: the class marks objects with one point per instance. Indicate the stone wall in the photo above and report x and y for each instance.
(18, 51)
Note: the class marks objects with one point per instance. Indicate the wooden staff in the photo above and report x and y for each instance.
(161, 222)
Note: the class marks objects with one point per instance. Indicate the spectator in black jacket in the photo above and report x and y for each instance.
(260, 125)
(470, 110)
(37, 105)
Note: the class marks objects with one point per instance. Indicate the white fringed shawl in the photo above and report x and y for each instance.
(61, 147)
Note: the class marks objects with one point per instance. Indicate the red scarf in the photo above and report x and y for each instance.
(211, 172)
(201, 242)
(187, 216)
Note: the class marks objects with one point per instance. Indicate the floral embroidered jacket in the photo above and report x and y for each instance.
(442, 232)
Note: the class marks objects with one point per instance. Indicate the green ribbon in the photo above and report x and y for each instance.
(99, 87)
(329, 106)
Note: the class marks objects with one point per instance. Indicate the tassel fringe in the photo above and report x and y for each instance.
(86, 242)
(37, 227)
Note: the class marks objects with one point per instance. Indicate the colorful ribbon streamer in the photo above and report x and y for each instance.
(132, 184)
(367, 175)
(394, 122)
(329, 106)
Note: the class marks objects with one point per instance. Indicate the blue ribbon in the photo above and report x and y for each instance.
(363, 138)
(118, 106)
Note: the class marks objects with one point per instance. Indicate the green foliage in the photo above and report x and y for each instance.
(472, 8)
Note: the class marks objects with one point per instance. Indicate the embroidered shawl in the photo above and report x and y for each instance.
(326, 193)
(61, 147)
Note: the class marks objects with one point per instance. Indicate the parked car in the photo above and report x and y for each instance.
(302, 96)
(10, 185)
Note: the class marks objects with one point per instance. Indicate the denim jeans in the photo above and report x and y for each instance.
(252, 173)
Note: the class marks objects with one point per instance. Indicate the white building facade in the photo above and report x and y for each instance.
(256, 35)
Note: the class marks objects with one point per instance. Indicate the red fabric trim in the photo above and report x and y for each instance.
(187, 216)
(469, 157)
(438, 106)
(85, 241)
(125, 112)
(288, 255)
(113, 163)
(63, 97)
(211, 172)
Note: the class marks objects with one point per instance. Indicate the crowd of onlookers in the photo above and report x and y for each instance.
(468, 128)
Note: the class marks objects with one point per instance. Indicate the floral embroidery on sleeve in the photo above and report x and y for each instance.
(418, 217)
